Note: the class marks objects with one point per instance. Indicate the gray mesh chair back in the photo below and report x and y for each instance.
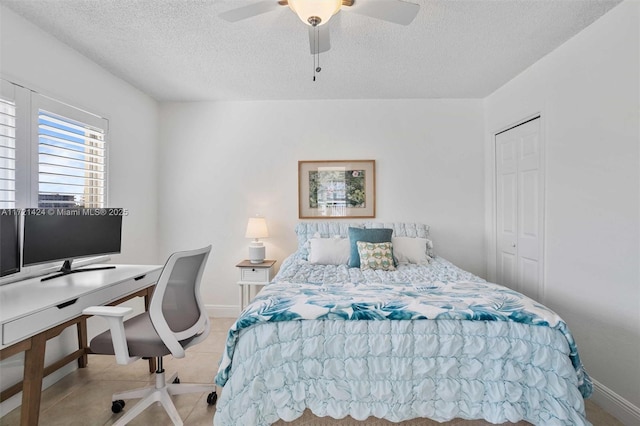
(176, 310)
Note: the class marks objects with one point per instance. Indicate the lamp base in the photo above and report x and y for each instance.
(256, 252)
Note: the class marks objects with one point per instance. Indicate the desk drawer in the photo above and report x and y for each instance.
(21, 328)
(118, 291)
(260, 275)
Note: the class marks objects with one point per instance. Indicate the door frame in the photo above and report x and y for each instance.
(491, 199)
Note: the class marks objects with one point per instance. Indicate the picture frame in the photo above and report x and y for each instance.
(333, 189)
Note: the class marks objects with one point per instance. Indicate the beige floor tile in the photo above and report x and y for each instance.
(156, 415)
(193, 368)
(88, 405)
(138, 370)
(214, 343)
(202, 413)
(101, 362)
(11, 419)
(598, 416)
(51, 396)
(222, 324)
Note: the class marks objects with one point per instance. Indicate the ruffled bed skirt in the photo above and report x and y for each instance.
(398, 370)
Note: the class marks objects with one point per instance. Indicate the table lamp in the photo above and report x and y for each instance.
(256, 228)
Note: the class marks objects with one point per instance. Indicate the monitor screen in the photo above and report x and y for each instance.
(65, 234)
(9, 241)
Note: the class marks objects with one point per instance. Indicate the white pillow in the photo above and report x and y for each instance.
(411, 250)
(329, 251)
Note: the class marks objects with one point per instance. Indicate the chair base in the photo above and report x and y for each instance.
(161, 393)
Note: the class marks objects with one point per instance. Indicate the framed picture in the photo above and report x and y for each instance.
(336, 189)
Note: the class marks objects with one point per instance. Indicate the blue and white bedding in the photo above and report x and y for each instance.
(422, 341)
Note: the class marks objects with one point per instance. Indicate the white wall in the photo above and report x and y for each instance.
(39, 62)
(223, 162)
(588, 92)
(34, 59)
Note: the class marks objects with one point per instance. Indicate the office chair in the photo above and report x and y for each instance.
(175, 321)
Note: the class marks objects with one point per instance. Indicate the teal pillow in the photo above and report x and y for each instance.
(375, 235)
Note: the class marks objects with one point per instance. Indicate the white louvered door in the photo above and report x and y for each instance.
(7, 146)
(519, 208)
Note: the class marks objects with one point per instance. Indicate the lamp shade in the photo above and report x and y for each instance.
(257, 228)
(322, 9)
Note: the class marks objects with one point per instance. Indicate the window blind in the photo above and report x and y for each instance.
(71, 163)
(7, 154)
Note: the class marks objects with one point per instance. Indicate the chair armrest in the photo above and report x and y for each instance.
(115, 317)
(107, 311)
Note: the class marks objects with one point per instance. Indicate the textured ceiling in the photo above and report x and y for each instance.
(180, 50)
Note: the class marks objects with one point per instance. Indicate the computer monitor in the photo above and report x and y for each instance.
(52, 235)
(9, 241)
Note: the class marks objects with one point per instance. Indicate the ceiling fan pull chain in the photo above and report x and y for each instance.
(318, 48)
(316, 55)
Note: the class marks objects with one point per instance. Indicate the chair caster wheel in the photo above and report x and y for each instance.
(176, 381)
(212, 398)
(117, 406)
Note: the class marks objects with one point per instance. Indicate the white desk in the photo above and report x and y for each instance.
(31, 312)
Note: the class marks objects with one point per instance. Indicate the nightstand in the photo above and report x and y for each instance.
(252, 275)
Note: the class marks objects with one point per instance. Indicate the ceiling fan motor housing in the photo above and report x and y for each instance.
(315, 12)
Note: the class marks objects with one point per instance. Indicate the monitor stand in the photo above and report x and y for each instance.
(66, 270)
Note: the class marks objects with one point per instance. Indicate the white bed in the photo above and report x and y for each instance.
(424, 340)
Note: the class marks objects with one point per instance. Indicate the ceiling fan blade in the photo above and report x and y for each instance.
(322, 43)
(396, 11)
(249, 11)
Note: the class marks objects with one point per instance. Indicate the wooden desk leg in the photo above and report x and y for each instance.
(32, 383)
(147, 302)
(83, 361)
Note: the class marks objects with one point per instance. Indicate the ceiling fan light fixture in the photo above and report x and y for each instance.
(315, 12)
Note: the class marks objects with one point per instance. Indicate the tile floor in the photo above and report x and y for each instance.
(83, 398)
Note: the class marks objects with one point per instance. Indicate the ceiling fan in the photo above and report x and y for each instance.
(316, 14)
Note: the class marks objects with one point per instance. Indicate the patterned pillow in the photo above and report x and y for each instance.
(376, 256)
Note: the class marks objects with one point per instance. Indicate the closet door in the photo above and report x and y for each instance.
(519, 209)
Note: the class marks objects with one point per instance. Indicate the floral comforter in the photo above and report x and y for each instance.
(528, 339)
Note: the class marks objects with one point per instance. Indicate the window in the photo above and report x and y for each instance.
(71, 163)
(51, 154)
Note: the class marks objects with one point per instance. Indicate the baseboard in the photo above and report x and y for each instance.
(614, 404)
(223, 311)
